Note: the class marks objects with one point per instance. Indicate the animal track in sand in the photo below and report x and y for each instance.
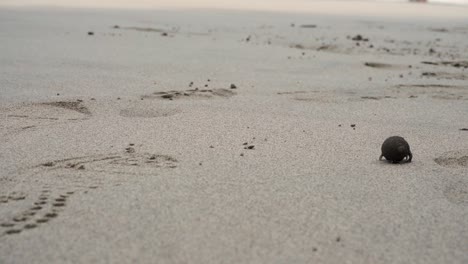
(192, 93)
(13, 196)
(42, 210)
(453, 159)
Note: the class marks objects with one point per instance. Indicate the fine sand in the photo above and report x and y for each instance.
(209, 136)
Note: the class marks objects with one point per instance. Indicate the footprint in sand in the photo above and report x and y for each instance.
(70, 105)
(456, 192)
(31, 116)
(191, 94)
(118, 163)
(47, 110)
(70, 177)
(379, 65)
(453, 159)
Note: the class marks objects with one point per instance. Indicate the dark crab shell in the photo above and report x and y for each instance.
(396, 149)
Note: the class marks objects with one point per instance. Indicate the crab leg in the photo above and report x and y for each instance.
(410, 155)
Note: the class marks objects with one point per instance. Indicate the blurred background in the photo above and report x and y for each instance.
(235, 4)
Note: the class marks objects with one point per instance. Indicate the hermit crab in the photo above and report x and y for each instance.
(395, 149)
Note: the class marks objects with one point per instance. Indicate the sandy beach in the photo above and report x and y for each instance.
(232, 136)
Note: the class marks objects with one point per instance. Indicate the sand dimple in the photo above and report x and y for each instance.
(30, 226)
(308, 26)
(453, 159)
(457, 193)
(192, 93)
(12, 196)
(13, 231)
